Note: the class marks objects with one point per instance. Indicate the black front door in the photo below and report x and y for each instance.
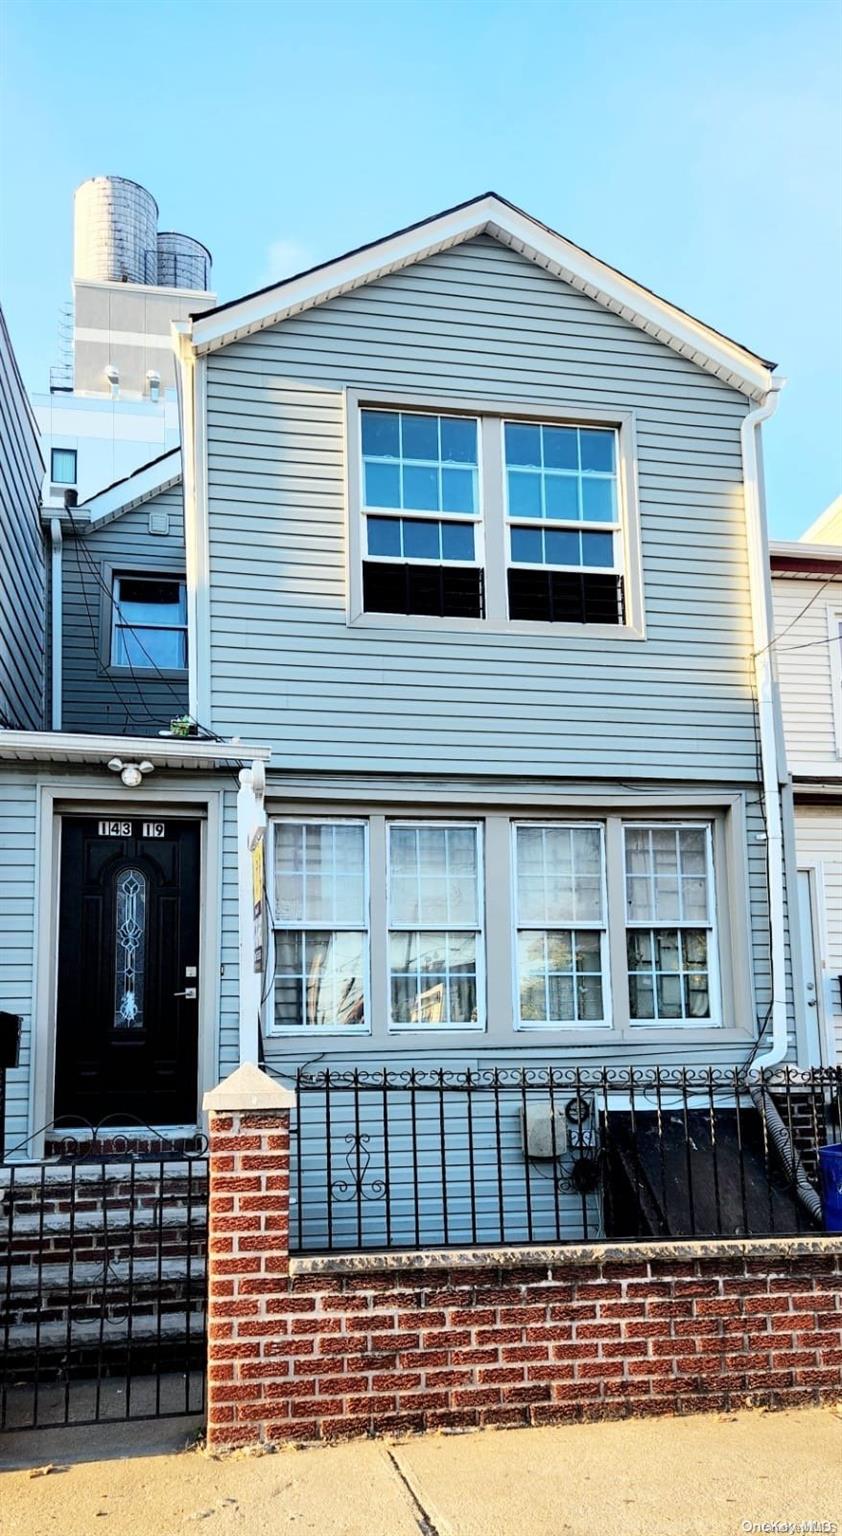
(127, 987)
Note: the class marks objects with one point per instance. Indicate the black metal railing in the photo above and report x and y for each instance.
(385, 1160)
(103, 1244)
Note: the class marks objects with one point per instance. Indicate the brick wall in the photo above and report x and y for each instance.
(306, 1356)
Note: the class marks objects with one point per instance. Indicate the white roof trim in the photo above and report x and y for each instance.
(164, 752)
(824, 520)
(489, 215)
(150, 480)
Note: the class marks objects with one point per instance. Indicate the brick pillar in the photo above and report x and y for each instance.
(248, 1254)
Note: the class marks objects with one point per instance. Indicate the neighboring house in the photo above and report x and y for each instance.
(118, 596)
(22, 618)
(475, 551)
(807, 591)
(112, 402)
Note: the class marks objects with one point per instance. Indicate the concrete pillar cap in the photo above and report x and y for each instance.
(248, 1089)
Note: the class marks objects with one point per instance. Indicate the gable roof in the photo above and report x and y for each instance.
(493, 215)
(151, 479)
(827, 529)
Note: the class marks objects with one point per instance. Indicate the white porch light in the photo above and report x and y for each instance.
(131, 774)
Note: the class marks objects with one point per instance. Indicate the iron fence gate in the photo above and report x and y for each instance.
(103, 1246)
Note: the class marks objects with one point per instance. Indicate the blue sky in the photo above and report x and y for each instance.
(696, 146)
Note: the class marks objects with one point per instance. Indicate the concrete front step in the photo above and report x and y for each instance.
(22, 1338)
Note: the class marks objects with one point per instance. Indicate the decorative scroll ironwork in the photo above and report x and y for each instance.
(130, 948)
(358, 1158)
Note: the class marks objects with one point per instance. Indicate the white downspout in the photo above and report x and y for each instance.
(55, 623)
(251, 828)
(764, 679)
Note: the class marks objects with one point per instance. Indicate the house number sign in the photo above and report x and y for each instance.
(126, 829)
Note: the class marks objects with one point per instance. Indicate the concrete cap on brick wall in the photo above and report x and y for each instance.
(248, 1089)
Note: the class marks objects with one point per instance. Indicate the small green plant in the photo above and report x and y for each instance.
(182, 725)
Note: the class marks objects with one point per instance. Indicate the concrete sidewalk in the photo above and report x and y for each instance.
(701, 1476)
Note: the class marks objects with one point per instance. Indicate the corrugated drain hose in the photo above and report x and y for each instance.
(782, 1142)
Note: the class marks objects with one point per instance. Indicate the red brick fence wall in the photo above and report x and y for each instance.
(299, 1351)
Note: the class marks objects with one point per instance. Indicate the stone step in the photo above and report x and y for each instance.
(146, 1328)
(58, 1279)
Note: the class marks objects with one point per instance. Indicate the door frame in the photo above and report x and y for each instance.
(90, 799)
(814, 870)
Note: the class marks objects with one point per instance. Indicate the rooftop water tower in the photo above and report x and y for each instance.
(115, 226)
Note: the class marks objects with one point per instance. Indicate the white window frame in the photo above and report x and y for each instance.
(436, 1030)
(304, 1031)
(566, 525)
(60, 448)
(403, 514)
(119, 623)
(577, 1026)
(834, 632)
(714, 1018)
(493, 548)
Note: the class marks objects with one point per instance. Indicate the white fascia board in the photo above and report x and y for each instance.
(684, 334)
(149, 481)
(163, 752)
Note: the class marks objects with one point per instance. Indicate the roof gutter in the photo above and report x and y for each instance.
(773, 767)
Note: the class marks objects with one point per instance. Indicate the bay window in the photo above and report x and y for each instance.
(571, 926)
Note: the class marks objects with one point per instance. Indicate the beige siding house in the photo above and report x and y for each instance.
(807, 588)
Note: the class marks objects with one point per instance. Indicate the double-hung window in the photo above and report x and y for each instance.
(420, 510)
(63, 466)
(320, 926)
(493, 519)
(561, 923)
(390, 925)
(149, 622)
(669, 923)
(565, 547)
(435, 927)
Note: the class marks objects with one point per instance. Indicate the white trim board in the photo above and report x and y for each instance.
(150, 480)
(492, 215)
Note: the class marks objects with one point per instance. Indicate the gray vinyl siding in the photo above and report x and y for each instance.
(18, 884)
(477, 321)
(22, 591)
(94, 697)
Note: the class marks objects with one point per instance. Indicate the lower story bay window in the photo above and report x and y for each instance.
(568, 927)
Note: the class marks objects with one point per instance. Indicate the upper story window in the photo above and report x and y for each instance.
(564, 525)
(63, 466)
(149, 622)
(494, 519)
(420, 507)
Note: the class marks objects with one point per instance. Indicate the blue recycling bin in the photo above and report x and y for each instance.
(830, 1164)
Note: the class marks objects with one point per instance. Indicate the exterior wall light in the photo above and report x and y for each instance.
(131, 774)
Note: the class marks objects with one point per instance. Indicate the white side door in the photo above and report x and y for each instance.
(811, 964)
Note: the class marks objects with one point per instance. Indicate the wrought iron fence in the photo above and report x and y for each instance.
(385, 1160)
(102, 1278)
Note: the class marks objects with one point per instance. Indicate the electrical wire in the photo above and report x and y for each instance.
(791, 625)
